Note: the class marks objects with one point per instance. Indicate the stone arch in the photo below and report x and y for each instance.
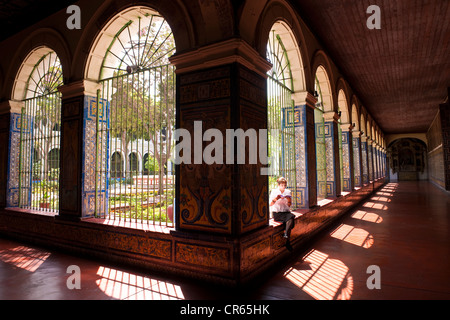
(36, 45)
(287, 37)
(343, 107)
(324, 89)
(218, 20)
(355, 117)
(108, 20)
(321, 70)
(278, 14)
(363, 123)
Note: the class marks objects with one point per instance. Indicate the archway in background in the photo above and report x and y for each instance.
(324, 136)
(408, 159)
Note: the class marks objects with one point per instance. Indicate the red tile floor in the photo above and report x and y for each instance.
(403, 230)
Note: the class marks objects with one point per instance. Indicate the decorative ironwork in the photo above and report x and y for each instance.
(134, 131)
(40, 137)
(281, 116)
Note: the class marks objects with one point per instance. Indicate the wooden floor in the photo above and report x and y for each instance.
(399, 240)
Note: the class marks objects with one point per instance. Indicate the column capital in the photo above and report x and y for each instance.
(11, 106)
(347, 127)
(79, 88)
(222, 53)
(304, 98)
(356, 134)
(331, 116)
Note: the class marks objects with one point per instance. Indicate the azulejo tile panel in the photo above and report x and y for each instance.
(95, 157)
(19, 170)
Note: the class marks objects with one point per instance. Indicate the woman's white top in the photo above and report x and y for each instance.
(281, 205)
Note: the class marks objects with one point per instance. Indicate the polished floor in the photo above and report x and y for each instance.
(396, 245)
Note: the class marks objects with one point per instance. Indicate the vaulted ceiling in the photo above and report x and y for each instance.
(401, 73)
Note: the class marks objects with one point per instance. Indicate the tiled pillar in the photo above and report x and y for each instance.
(80, 154)
(379, 169)
(357, 158)
(332, 154)
(18, 175)
(385, 164)
(364, 161)
(305, 149)
(371, 154)
(5, 120)
(224, 87)
(347, 157)
(10, 115)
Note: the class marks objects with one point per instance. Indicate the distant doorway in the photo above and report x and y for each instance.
(407, 158)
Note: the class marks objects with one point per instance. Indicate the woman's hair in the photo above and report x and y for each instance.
(281, 180)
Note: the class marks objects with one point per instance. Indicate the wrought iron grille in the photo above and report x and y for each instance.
(40, 137)
(281, 140)
(135, 140)
(321, 160)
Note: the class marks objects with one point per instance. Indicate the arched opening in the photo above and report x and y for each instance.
(408, 160)
(37, 85)
(135, 113)
(370, 152)
(364, 161)
(324, 136)
(116, 166)
(344, 141)
(356, 148)
(280, 109)
(133, 163)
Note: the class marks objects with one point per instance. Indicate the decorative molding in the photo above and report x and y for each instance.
(222, 53)
(80, 88)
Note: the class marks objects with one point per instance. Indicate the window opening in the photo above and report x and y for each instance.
(281, 131)
(40, 137)
(135, 123)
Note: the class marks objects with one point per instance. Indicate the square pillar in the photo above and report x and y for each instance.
(305, 149)
(16, 127)
(332, 137)
(371, 154)
(378, 162)
(364, 161)
(357, 158)
(83, 193)
(223, 88)
(347, 158)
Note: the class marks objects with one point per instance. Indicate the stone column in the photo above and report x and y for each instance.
(222, 87)
(10, 129)
(347, 157)
(332, 154)
(357, 158)
(305, 149)
(82, 190)
(371, 154)
(364, 161)
(379, 169)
